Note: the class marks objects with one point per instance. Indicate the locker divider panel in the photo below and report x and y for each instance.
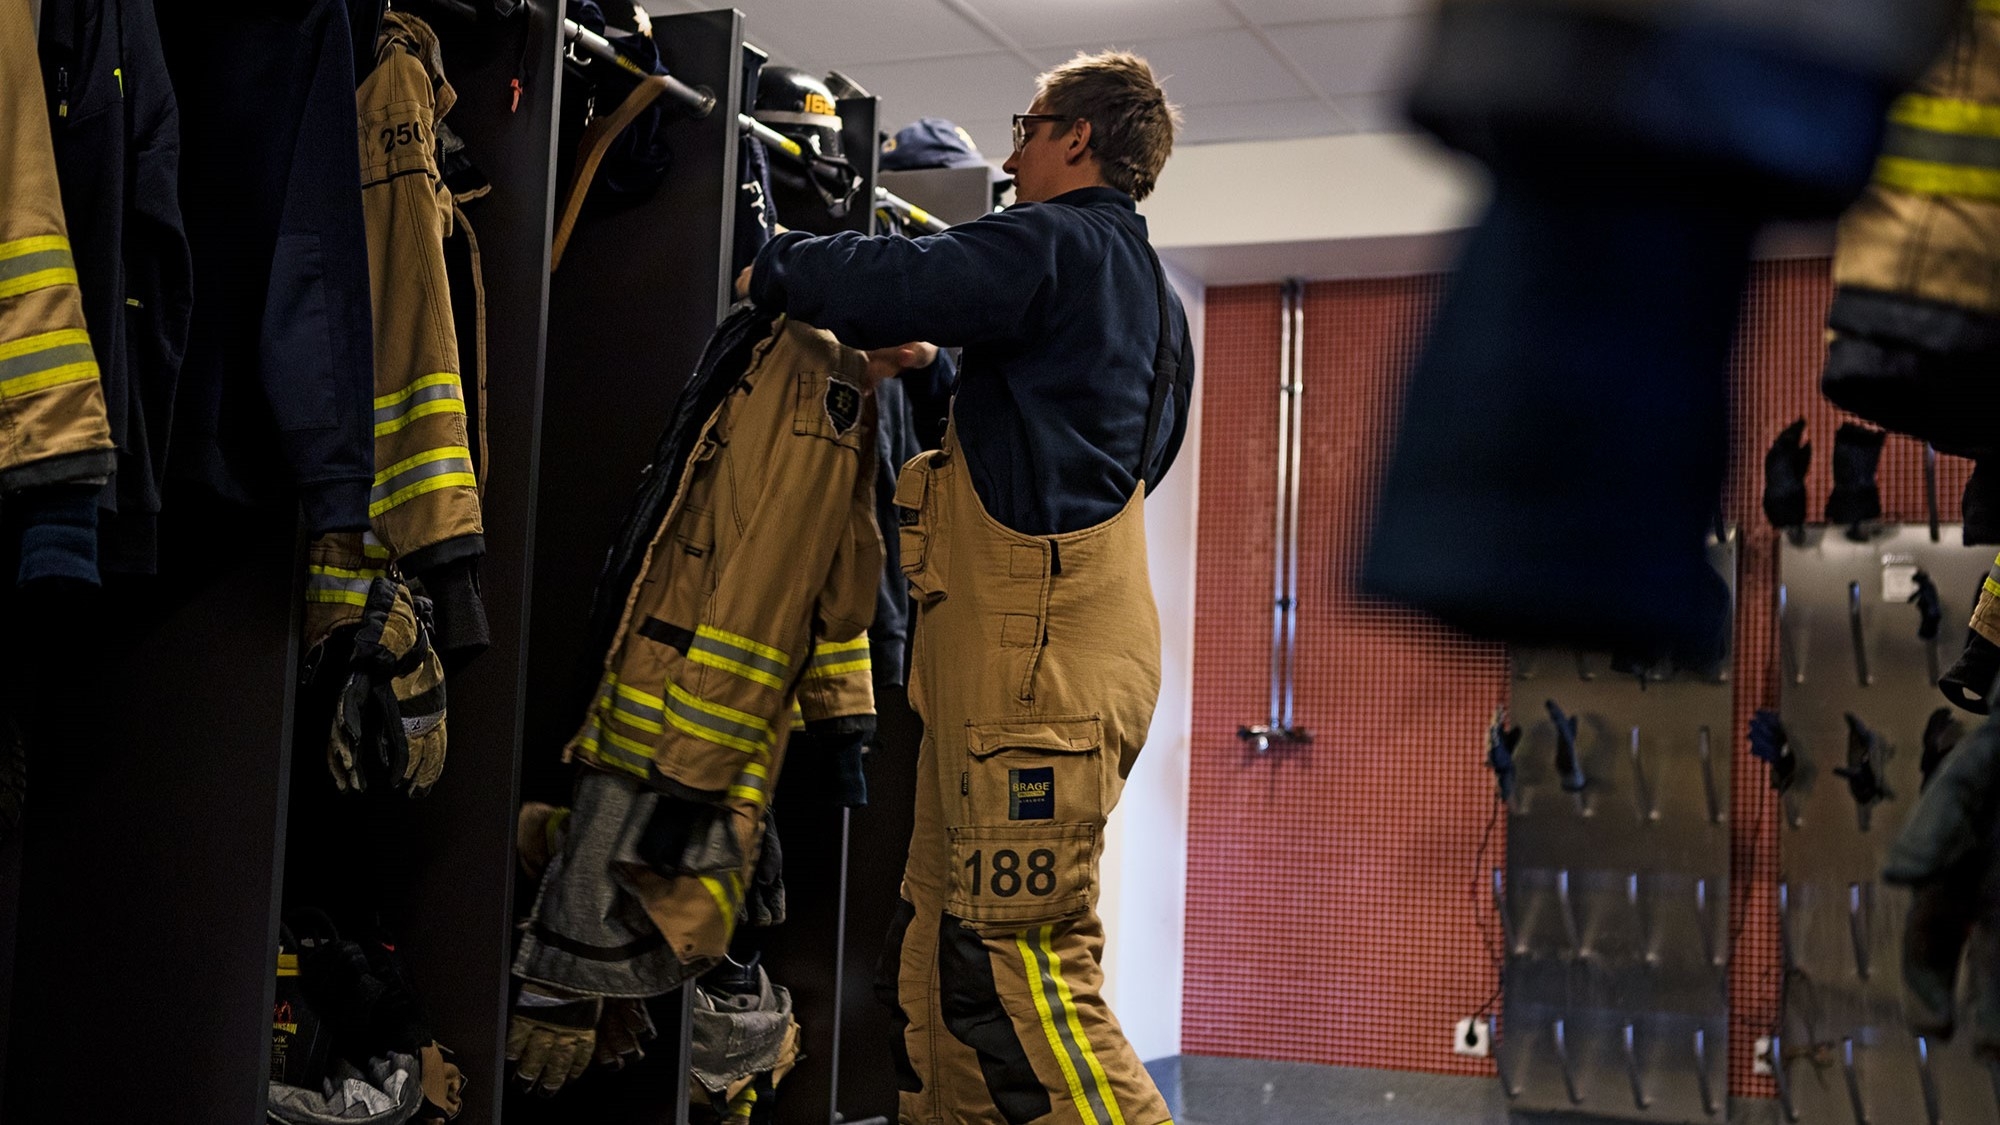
(638, 293)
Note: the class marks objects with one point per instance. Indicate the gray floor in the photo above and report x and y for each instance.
(1214, 1091)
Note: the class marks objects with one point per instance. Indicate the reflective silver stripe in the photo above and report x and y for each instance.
(443, 389)
(318, 586)
(1061, 1011)
(45, 359)
(729, 728)
(25, 264)
(707, 644)
(416, 473)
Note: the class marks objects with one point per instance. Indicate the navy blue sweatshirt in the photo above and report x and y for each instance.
(1055, 306)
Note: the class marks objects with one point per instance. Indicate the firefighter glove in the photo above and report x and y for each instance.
(443, 1082)
(1785, 468)
(1501, 739)
(1770, 743)
(1864, 754)
(389, 721)
(1569, 766)
(765, 904)
(552, 1036)
(1857, 451)
(1941, 734)
(1930, 612)
(1969, 681)
(1946, 854)
(623, 1032)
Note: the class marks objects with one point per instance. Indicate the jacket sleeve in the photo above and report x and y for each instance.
(51, 404)
(315, 347)
(425, 503)
(978, 283)
(838, 689)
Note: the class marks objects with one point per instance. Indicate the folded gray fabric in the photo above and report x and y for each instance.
(390, 1093)
(737, 1035)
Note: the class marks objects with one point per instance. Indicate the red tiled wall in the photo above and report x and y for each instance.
(1335, 909)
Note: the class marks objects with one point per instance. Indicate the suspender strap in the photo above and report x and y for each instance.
(1166, 366)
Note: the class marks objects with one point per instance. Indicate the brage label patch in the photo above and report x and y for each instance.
(1031, 794)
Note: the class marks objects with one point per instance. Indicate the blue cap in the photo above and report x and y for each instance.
(933, 142)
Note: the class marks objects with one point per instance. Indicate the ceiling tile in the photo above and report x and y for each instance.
(861, 30)
(1375, 113)
(968, 88)
(1219, 68)
(1306, 11)
(1262, 121)
(1353, 56)
(1107, 23)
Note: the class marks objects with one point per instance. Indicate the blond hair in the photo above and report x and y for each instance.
(1131, 122)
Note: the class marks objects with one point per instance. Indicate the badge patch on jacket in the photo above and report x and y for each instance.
(1031, 794)
(843, 406)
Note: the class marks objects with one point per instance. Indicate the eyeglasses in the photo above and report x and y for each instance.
(1024, 122)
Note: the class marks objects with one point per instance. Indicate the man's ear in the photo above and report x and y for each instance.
(1078, 141)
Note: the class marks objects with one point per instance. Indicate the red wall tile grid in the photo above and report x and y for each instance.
(1336, 910)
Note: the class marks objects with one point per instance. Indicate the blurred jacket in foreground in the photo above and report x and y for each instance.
(1563, 439)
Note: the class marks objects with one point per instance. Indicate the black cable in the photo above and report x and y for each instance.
(1479, 877)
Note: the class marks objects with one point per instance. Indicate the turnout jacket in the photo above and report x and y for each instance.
(53, 429)
(758, 581)
(424, 503)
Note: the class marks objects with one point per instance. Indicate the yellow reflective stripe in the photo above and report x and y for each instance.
(46, 359)
(751, 734)
(1992, 587)
(39, 279)
(745, 793)
(645, 721)
(858, 644)
(829, 671)
(1924, 177)
(409, 417)
(1076, 1028)
(735, 668)
(1946, 115)
(744, 643)
(343, 572)
(336, 597)
(438, 380)
(37, 244)
(722, 902)
(1049, 1028)
(631, 745)
(758, 770)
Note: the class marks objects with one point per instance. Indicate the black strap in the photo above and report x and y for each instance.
(1166, 365)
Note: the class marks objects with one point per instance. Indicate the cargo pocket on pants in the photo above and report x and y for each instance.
(1031, 808)
(917, 534)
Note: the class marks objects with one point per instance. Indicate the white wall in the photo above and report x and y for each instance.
(1367, 205)
(1144, 898)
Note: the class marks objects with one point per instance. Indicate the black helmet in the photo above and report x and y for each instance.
(799, 106)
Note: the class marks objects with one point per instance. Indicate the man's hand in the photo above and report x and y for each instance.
(887, 363)
(743, 283)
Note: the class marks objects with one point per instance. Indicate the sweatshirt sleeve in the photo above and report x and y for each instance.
(978, 283)
(315, 355)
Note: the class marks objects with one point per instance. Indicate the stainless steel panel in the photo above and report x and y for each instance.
(1850, 1056)
(1617, 897)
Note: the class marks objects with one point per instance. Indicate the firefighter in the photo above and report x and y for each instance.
(1036, 659)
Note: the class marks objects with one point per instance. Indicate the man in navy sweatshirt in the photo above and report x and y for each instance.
(1035, 662)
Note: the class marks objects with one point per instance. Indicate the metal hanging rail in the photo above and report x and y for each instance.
(1279, 727)
(779, 143)
(697, 103)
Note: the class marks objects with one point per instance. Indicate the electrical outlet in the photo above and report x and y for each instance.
(1761, 1063)
(1470, 1038)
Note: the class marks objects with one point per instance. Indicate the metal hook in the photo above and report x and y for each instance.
(1570, 927)
(1701, 1071)
(1932, 1112)
(1715, 956)
(1562, 1058)
(1651, 955)
(1506, 915)
(1859, 638)
(1781, 1079)
(1702, 740)
(1649, 803)
(1785, 927)
(1793, 668)
(1500, 1066)
(1639, 1097)
(1853, 1082)
(1857, 927)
